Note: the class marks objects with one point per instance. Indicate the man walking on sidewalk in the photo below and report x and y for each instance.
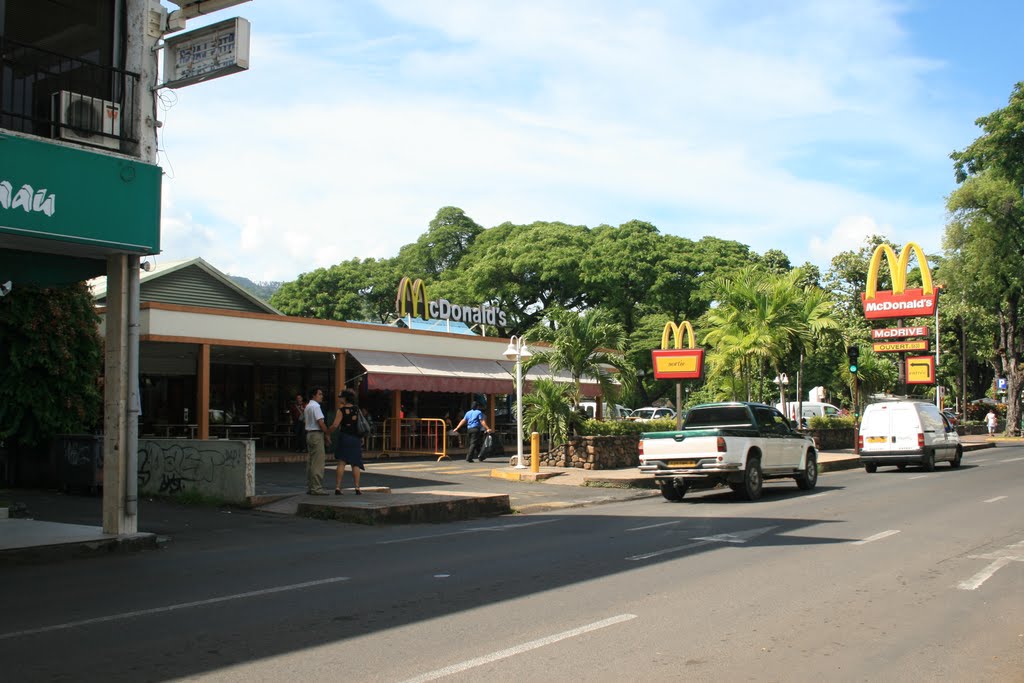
(316, 441)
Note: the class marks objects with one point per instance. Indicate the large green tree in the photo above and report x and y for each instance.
(52, 359)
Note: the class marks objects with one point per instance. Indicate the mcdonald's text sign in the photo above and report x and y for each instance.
(412, 300)
(678, 363)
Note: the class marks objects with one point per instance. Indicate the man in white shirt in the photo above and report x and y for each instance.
(316, 439)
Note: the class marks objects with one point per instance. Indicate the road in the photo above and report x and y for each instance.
(895, 576)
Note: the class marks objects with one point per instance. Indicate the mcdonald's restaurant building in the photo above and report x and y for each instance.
(217, 362)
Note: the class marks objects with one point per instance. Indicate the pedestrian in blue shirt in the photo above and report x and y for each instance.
(476, 425)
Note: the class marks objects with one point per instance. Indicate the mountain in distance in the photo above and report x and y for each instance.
(262, 290)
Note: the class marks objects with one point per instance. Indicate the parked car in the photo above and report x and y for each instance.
(953, 418)
(609, 411)
(905, 433)
(651, 413)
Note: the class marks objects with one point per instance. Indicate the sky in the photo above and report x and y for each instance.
(797, 125)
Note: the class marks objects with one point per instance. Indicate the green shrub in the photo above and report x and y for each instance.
(822, 422)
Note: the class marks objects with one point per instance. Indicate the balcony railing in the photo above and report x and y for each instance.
(55, 96)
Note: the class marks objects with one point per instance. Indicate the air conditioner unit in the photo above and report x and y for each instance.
(86, 120)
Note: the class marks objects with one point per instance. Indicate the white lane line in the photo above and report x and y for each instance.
(1014, 460)
(920, 476)
(984, 575)
(877, 537)
(654, 526)
(975, 462)
(474, 530)
(666, 551)
(518, 649)
(992, 500)
(171, 608)
(816, 495)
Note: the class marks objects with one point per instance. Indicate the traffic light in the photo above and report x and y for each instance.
(853, 354)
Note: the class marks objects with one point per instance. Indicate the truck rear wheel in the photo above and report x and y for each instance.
(870, 467)
(672, 490)
(753, 480)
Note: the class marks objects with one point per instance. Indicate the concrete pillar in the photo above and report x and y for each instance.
(116, 519)
(203, 392)
(339, 374)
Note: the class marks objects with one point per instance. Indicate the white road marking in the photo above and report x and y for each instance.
(920, 476)
(738, 537)
(975, 462)
(653, 526)
(171, 608)
(474, 530)
(983, 576)
(816, 495)
(1001, 558)
(518, 649)
(992, 500)
(877, 537)
(1014, 460)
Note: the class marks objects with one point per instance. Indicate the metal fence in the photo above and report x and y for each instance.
(52, 95)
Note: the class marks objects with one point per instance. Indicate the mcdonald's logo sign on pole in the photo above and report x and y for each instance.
(900, 302)
(412, 299)
(678, 363)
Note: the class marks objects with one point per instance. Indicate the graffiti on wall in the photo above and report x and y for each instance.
(172, 468)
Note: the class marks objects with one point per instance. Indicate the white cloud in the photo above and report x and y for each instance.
(344, 142)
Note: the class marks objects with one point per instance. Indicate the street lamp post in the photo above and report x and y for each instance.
(783, 381)
(517, 351)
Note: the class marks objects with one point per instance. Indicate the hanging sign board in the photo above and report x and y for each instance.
(210, 52)
(921, 370)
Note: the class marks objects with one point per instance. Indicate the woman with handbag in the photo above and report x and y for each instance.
(348, 447)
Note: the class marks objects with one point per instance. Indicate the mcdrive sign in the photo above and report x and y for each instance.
(900, 302)
(412, 300)
(899, 332)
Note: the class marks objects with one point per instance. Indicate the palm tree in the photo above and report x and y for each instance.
(817, 320)
(546, 410)
(584, 345)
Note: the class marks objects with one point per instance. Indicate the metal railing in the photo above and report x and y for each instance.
(55, 96)
(415, 436)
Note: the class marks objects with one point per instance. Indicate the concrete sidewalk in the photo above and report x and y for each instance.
(28, 540)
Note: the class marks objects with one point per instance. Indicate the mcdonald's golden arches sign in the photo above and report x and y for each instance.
(900, 302)
(677, 363)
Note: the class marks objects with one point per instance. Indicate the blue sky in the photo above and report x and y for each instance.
(787, 124)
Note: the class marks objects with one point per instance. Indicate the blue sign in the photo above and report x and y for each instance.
(1001, 384)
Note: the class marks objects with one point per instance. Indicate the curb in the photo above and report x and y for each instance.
(78, 549)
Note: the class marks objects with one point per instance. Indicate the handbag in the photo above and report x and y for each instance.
(363, 425)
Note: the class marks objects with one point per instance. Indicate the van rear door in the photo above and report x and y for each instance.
(905, 427)
(874, 429)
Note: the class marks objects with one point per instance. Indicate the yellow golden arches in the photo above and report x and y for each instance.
(898, 269)
(412, 298)
(677, 332)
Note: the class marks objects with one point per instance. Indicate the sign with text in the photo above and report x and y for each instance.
(899, 332)
(898, 346)
(210, 52)
(900, 302)
(678, 363)
(921, 370)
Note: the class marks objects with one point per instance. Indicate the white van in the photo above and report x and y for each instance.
(808, 410)
(905, 433)
(609, 411)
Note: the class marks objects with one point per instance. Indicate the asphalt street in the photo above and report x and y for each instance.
(884, 577)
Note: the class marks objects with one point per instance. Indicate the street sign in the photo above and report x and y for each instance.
(921, 370)
(899, 332)
(1001, 384)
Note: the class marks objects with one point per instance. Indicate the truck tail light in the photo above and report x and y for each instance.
(641, 447)
(721, 444)
(860, 442)
(920, 440)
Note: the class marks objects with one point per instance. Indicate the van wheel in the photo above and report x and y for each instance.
(928, 461)
(870, 467)
(807, 479)
(955, 462)
(753, 480)
(672, 491)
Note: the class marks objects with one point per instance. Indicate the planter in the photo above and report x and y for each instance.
(595, 453)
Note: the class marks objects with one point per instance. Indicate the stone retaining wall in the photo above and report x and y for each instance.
(832, 439)
(595, 453)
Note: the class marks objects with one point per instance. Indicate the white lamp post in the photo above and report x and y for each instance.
(517, 351)
(783, 381)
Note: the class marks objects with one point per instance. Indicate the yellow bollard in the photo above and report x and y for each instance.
(535, 452)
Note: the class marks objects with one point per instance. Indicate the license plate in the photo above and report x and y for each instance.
(876, 439)
(682, 463)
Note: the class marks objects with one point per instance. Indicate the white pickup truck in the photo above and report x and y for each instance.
(739, 444)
